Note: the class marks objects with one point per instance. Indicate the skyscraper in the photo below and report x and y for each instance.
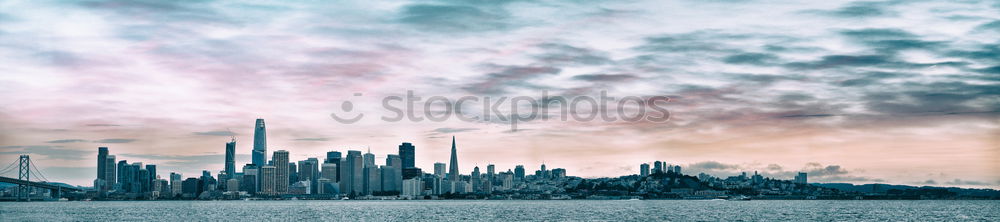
(151, 169)
(644, 169)
(369, 159)
(396, 163)
(333, 157)
(259, 155)
(175, 184)
(109, 171)
(439, 170)
(407, 153)
(105, 169)
(453, 168)
(280, 171)
(231, 158)
(352, 181)
(391, 181)
(251, 175)
(268, 177)
(329, 172)
(519, 173)
(801, 178)
(372, 181)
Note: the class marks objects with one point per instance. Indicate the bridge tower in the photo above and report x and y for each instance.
(23, 173)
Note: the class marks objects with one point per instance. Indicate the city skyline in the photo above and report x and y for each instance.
(898, 92)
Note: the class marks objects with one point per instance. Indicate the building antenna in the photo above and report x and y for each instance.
(231, 134)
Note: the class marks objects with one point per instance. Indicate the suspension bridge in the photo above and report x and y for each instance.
(29, 179)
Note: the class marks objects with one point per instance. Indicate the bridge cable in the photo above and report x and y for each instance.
(39, 172)
(9, 167)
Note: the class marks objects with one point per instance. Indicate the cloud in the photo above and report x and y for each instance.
(101, 125)
(66, 141)
(453, 130)
(860, 9)
(115, 141)
(453, 18)
(959, 182)
(313, 139)
(712, 165)
(606, 77)
(564, 54)
(751, 59)
(990, 26)
(215, 133)
(509, 76)
(49, 152)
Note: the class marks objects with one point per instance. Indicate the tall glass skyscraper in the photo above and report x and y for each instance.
(259, 155)
(231, 158)
(406, 152)
(105, 169)
(453, 166)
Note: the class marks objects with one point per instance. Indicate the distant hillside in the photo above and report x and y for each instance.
(884, 188)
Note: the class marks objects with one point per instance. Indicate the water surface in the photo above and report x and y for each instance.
(506, 210)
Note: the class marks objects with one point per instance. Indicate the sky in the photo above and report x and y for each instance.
(901, 92)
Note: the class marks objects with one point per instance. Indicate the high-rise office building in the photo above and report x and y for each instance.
(329, 172)
(110, 172)
(152, 170)
(644, 169)
(352, 181)
(677, 169)
(490, 172)
(372, 181)
(308, 170)
(391, 181)
(558, 173)
(251, 175)
(293, 173)
(369, 159)
(801, 178)
(407, 154)
(439, 169)
(102, 154)
(259, 155)
(476, 179)
(334, 157)
(658, 167)
(105, 170)
(396, 163)
(269, 185)
(519, 173)
(190, 188)
(122, 171)
(230, 166)
(453, 174)
(144, 181)
(280, 171)
(176, 184)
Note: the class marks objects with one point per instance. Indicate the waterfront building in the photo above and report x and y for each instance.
(230, 166)
(519, 172)
(644, 169)
(801, 178)
(281, 171)
(453, 174)
(259, 154)
(269, 186)
(407, 154)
